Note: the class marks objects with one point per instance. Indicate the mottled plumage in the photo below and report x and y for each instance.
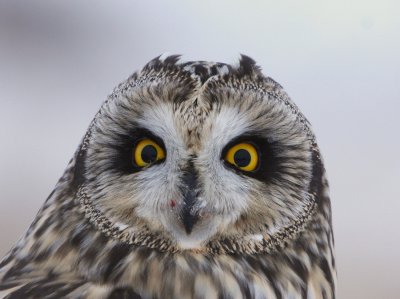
(189, 224)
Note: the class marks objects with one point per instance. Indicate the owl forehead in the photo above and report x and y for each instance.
(193, 118)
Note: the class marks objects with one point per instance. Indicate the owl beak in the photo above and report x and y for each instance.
(189, 215)
(189, 219)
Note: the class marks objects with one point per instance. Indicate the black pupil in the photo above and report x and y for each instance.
(149, 154)
(242, 158)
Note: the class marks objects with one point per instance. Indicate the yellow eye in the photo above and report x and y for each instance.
(147, 152)
(243, 155)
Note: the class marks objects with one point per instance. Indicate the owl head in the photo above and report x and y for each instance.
(199, 156)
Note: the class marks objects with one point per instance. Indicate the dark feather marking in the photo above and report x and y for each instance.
(16, 269)
(267, 271)
(298, 267)
(301, 270)
(98, 244)
(45, 226)
(143, 254)
(10, 257)
(116, 255)
(42, 255)
(327, 272)
(78, 237)
(247, 67)
(172, 59)
(272, 281)
(8, 285)
(124, 293)
(224, 296)
(50, 195)
(245, 288)
(325, 294)
(202, 72)
(44, 289)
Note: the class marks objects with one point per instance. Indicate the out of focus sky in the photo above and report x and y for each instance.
(339, 61)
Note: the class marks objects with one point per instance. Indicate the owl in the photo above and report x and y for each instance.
(194, 180)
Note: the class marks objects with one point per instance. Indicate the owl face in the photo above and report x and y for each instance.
(196, 152)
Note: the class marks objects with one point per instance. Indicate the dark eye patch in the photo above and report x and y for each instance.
(122, 147)
(267, 162)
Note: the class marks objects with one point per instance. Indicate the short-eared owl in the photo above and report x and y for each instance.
(194, 180)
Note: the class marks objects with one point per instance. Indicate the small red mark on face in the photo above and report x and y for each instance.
(172, 203)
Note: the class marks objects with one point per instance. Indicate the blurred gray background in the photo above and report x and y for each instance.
(339, 61)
